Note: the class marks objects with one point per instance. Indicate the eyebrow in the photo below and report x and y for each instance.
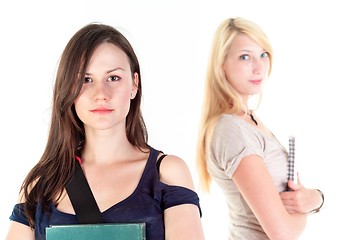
(249, 51)
(115, 69)
(242, 51)
(109, 71)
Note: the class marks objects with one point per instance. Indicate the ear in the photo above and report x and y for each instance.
(135, 85)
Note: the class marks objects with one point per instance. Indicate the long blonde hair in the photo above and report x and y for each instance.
(219, 95)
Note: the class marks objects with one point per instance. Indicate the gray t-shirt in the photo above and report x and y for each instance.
(233, 139)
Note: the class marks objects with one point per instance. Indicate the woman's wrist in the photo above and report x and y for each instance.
(316, 210)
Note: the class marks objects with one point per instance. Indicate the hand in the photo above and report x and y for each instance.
(300, 199)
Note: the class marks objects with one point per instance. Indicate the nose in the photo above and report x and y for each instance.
(259, 66)
(101, 92)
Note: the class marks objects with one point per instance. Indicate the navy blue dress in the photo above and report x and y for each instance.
(145, 205)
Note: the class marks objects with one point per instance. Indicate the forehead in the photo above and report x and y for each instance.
(108, 54)
(242, 42)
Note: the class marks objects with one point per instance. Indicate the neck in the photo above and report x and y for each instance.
(105, 146)
(250, 113)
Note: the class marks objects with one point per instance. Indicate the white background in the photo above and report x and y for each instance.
(313, 91)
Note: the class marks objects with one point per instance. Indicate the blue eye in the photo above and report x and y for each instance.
(244, 57)
(264, 55)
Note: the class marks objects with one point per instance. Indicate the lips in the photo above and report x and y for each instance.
(256, 82)
(101, 110)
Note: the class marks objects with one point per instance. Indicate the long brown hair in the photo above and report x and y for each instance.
(45, 182)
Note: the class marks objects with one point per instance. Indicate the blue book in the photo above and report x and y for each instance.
(105, 231)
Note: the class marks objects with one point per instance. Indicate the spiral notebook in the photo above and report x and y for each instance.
(291, 159)
(129, 231)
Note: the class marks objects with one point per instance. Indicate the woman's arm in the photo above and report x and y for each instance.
(19, 231)
(182, 221)
(256, 186)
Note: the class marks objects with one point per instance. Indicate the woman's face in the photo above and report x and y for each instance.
(246, 66)
(107, 90)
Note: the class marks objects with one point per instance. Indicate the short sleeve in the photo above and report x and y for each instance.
(232, 140)
(176, 195)
(18, 214)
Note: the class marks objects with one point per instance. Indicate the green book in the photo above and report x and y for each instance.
(118, 231)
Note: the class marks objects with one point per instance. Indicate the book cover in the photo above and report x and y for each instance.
(129, 231)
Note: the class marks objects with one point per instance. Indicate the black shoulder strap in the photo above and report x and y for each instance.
(159, 161)
(82, 199)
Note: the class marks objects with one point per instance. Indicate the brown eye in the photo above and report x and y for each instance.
(87, 80)
(113, 78)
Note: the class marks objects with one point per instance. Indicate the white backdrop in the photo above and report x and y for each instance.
(312, 93)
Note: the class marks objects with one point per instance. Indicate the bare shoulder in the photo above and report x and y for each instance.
(175, 171)
(19, 231)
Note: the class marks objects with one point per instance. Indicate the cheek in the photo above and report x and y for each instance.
(237, 77)
(78, 107)
(81, 104)
(121, 99)
(80, 99)
(123, 94)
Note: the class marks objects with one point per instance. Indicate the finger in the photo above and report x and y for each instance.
(298, 178)
(287, 202)
(292, 185)
(286, 195)
(289, 207)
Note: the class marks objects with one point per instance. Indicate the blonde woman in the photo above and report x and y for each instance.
(236, 149)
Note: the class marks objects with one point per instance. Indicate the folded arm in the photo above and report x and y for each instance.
(256, 186)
